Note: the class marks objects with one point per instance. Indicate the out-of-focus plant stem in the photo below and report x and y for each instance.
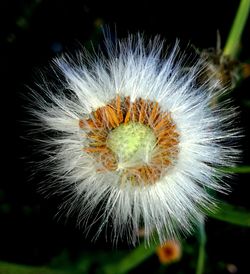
(233, 41)
(202, 252)
(134, 258)
(231, 214)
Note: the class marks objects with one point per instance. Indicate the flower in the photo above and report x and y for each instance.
(218, 67)
(133, 139)
(169, 252)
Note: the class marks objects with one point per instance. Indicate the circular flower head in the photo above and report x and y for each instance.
(134, 139)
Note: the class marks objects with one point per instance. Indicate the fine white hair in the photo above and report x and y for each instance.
(134, 68)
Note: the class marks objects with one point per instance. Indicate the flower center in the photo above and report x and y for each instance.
(135, 140)
(132, 141)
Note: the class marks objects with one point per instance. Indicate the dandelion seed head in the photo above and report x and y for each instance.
(134, 139)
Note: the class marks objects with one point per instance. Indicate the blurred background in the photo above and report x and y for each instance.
(32, 33)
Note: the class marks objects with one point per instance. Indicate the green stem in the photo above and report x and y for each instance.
(202, 252)
(231, 214)
(10, 268)
(134, 258)
(232, 45)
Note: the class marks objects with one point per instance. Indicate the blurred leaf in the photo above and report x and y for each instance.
(133, 259)
(231, 214)
(5, 208)
(61, 261)
(247, 103)
(98, 259)
(238, 169)
(9, 268)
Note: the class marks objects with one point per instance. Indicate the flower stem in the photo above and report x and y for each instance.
(232, 45)
(134, 258)
(202, 253)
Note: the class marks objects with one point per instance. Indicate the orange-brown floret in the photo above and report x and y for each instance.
(123, 111)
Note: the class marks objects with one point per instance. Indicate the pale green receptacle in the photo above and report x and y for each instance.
(130, 140)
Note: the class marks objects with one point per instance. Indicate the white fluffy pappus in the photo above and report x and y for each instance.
(133, 139)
